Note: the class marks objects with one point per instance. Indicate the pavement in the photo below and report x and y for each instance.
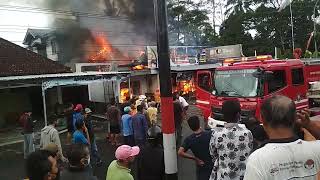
(12, 162)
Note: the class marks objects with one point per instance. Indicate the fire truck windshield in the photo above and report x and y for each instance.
(236, 83)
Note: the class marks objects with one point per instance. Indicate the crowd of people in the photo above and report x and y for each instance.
(284, 146)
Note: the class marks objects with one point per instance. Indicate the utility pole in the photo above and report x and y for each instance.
(315, 28)
(292, 28)
(168, 129)
(214, 17)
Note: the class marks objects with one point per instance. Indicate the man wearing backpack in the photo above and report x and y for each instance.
(27, 124)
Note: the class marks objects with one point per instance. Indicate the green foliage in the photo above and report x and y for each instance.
(256, 24)
(189, 24)
(272, 28)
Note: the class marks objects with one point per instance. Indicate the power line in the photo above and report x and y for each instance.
(58, 12)
(2, 26)
(113, 45)
(107, 34)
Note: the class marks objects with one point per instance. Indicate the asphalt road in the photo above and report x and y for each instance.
(12, 163)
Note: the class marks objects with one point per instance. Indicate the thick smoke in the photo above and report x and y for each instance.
(131, 23)
(123, 22)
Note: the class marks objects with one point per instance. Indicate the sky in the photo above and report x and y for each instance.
(14, 21)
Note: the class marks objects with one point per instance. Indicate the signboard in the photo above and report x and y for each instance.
(178, 55)
(223, 52)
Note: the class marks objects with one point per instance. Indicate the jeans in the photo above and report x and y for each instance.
(140, 142)
(178, 135)
(203, 173)
(128, 140)
(94, 151)
(28, 145)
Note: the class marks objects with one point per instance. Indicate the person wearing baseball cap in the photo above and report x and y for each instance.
(77, 115)
(119, 169)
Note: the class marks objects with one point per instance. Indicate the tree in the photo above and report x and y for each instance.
(189, 24)
(272, 28)
(233, 31)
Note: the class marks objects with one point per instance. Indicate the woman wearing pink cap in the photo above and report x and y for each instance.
(119, 169)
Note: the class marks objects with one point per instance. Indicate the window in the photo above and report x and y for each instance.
(54, 47)
(278, 81)
(297, 76)
(204, 81)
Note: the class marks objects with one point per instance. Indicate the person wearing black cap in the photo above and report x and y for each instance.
(151, 159)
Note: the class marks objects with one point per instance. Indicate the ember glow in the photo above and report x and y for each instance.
(138, 67)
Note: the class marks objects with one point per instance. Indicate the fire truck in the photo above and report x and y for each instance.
(251, 80)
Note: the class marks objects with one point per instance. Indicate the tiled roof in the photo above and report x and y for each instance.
(39, 32)
(35, 33)
(16, 60)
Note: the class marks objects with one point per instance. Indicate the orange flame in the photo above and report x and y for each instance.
(106, 49)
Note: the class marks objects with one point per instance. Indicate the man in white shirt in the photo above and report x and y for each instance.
(285, 156)
(183, 102)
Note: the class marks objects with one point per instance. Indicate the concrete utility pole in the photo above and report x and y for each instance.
(168, 129)
(315, 27)
(292, 27)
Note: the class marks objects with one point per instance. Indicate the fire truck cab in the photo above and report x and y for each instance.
(251, 80)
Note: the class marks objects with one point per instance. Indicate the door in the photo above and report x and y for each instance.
(204, 87)
(299, 88)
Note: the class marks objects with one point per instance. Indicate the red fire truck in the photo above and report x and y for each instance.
(251, 80)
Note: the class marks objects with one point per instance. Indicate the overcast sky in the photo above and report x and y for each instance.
(15, 21)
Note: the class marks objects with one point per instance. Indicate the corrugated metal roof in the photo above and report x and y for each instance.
(195, 67)
(62, 75)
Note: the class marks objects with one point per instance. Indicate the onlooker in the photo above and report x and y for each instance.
(285, 156)
(79, 164)
(133, 109)
(257, 131)
(311, 126)
(94, 148)
(41, 165)
(127, 127)
(49, 134)
(78, 136)
(151, 158)
(178, 119)
(68, 113)
(152, 113)
(126, 103)
(119, 169)
(77, 116)
(54, 152)
(28, 125)
(140, 127)
(114, 116)
(231, 145)
(198, 143)
(184, 103)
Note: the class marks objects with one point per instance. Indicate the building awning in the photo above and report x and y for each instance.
(79, 75)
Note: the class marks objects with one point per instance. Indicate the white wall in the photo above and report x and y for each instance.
(50, 54)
